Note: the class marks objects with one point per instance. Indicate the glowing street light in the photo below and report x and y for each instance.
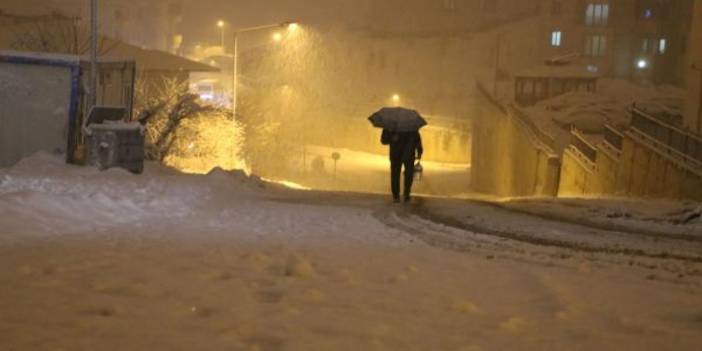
(291, 26)
(396, 99)
(221, 25)
(642, 64)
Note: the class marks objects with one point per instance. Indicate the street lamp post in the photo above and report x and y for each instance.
(235, 74)
(93, 53)
(498, 53)
(221, 24)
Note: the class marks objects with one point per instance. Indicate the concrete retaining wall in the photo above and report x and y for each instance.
(639, 170)
(650, 173)
(507, 159)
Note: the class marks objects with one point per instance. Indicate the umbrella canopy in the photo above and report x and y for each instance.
(398, 119)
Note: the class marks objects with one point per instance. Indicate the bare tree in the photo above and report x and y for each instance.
(163, 112)
(54, 33)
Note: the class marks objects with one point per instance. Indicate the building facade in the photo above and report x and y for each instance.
(693, 110)
(629, 39)
(150, 24)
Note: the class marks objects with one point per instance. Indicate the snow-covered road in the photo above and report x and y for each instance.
(164, 261)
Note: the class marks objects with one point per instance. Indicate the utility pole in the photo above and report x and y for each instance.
(235, 75)
(93, 52)
(497, 63)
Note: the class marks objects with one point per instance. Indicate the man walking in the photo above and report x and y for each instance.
(405, 149)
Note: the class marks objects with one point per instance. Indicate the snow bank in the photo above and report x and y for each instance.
(667, 217)
(42, 189)
(43, 196)
(589, 112)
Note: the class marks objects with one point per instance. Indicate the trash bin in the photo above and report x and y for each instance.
(111, 142)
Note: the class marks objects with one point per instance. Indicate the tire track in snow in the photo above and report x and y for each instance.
(422, 211)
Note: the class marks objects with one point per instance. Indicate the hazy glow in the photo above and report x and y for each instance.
(220, 24)
(206, 142)
(293, 26)
(288, 184)
(642, 64)
(277, 36)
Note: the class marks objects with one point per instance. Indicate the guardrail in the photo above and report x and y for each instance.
(679, 143)
(613, 137)
(540, 135)
(581, 144)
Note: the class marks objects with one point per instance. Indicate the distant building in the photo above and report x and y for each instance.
(438, 17)
(630, 39)
(152, 24)
(693, 111)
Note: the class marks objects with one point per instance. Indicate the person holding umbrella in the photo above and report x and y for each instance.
(401, 132)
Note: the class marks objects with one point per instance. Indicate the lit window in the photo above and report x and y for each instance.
(595, 45)
(597, 14)
(592, 68)
(556, 38)
(662, 46)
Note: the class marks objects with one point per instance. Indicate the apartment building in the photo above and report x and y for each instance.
(438, 17)
(630, 39)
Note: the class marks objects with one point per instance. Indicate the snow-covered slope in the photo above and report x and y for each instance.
(165, 261)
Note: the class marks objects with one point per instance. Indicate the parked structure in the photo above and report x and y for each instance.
(56, 81)
(56, 33)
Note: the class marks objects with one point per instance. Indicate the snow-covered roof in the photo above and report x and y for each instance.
(68, 59)
(45, 56)
(110, 49)
(557, 71)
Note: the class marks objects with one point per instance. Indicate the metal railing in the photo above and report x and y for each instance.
(681, 143)
(543, 137)
(614, 137)
(527, 122)
(581, 144)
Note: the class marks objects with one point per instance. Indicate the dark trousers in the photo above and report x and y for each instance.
(395, 171)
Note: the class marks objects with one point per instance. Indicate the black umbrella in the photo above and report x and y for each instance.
(398, 119)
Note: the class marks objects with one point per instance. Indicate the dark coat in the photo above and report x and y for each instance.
(403, 146)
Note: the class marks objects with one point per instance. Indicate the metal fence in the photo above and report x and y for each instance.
(538, 133)
(578, 142)
(685, 144)
(614, 137)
